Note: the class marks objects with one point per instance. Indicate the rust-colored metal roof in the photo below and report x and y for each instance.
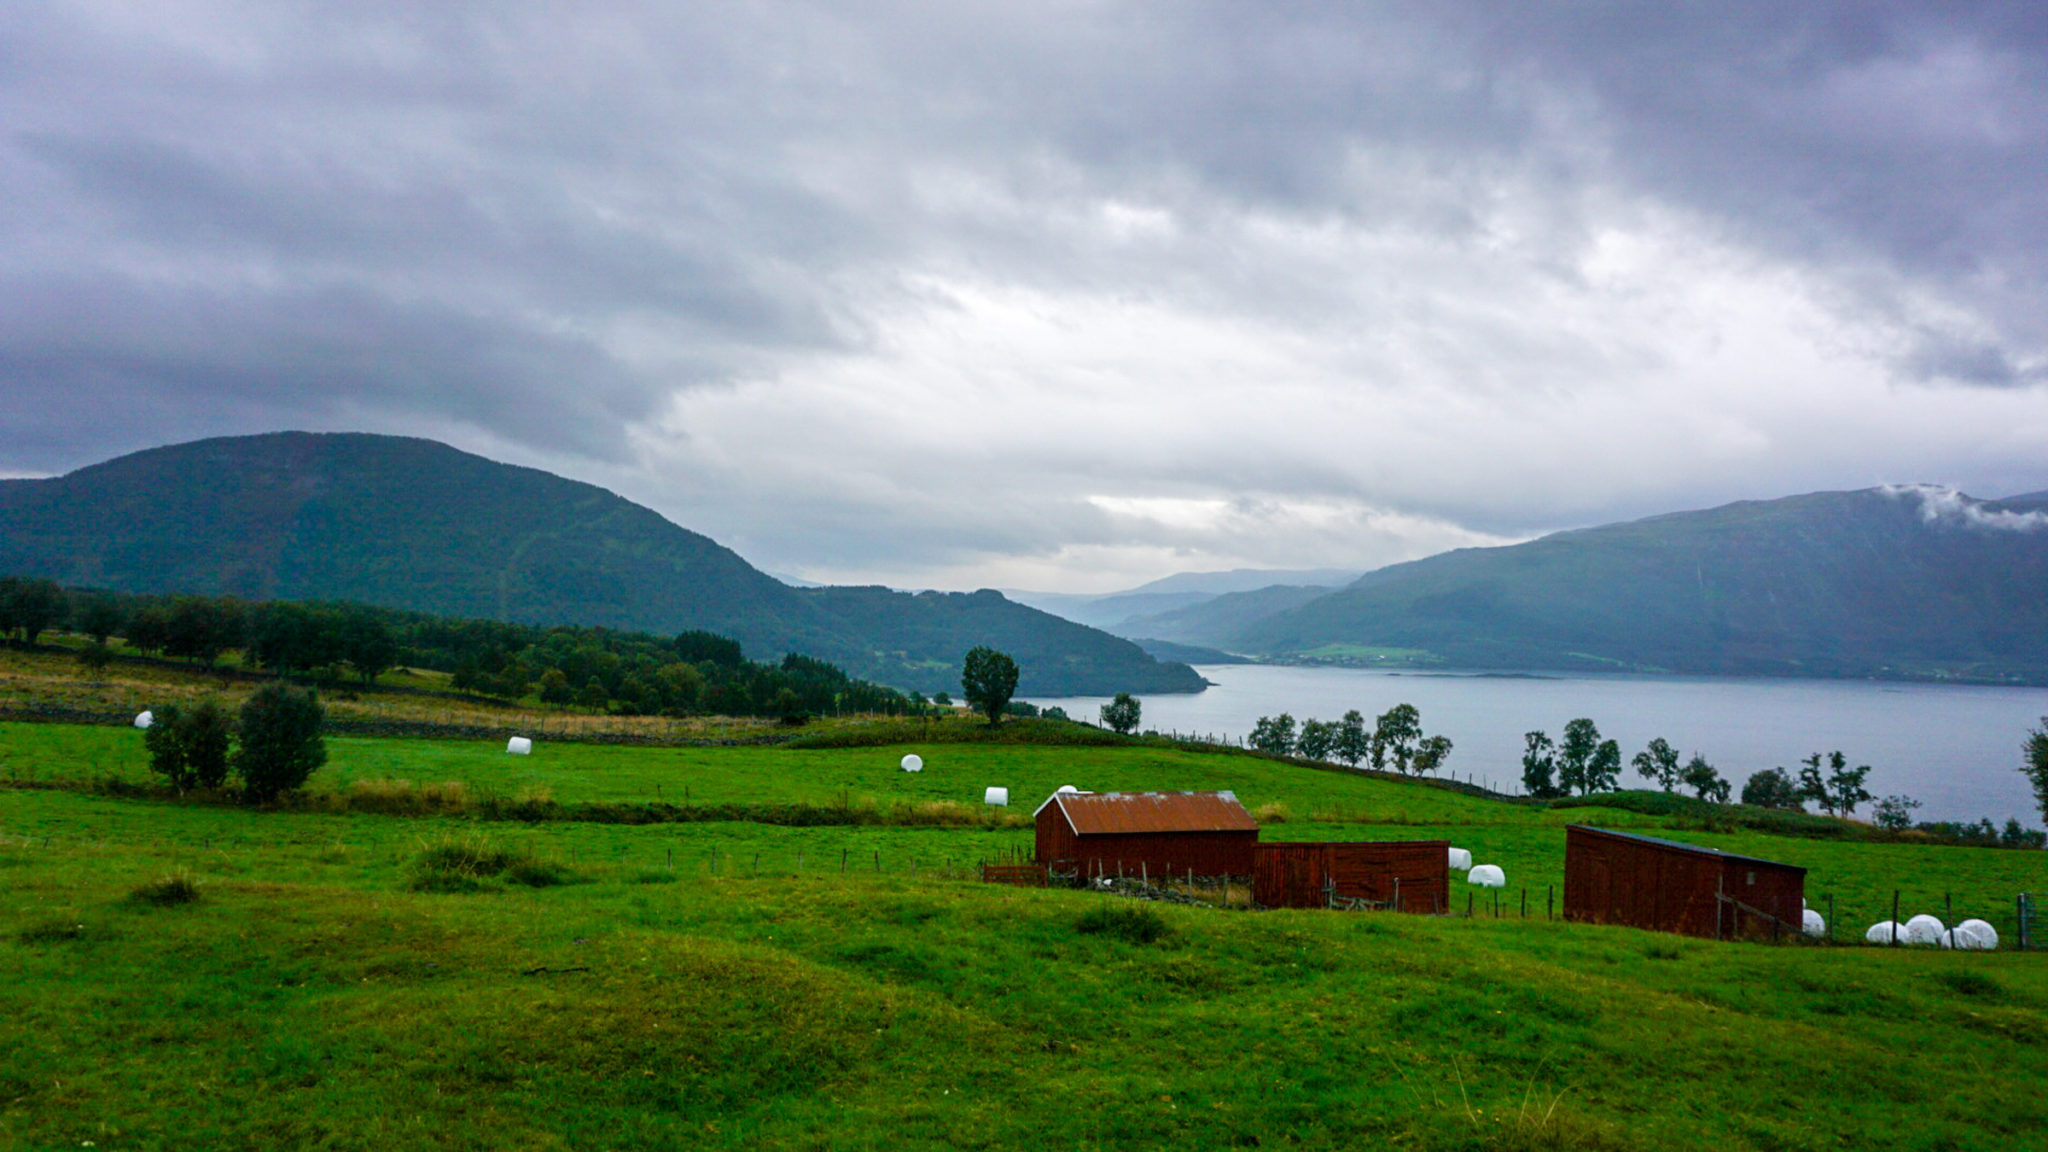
(1100, 813)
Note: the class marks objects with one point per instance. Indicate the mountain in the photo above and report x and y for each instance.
(1214, 623)
(408, 523)
(1119, 612)
(1914, 582)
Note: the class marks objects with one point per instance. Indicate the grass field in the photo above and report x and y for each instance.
(745, 985)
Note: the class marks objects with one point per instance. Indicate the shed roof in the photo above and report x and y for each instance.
(1110, 813)
(1680, 844)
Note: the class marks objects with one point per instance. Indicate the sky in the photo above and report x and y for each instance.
(1057, 296)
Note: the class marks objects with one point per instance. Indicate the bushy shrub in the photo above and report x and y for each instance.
(1131, 925)
(188, 747)
(280, 741)
(166, 891)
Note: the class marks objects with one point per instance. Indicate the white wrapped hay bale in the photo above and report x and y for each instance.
(1813, 923)
(1487, 876)
(1067, 790)
(1924, 929)
(145, 718)
(1461, 859)
(1985, 935)
(1000, 797)
(1885, 931)
(913, 763)
(519, 746)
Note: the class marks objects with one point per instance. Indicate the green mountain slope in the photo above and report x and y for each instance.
(1213, 623)
(1883, 582)
(408, 523)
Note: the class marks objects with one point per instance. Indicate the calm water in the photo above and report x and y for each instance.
(1955, 749)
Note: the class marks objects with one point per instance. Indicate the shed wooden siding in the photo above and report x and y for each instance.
(1149, 833)
(1621, 878)
(1304, 875)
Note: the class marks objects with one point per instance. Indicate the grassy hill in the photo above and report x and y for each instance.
(1871, 583)
(355, 980)
(407, 523)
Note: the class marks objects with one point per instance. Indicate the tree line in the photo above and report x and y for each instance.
(600, 669)
(1395, 740)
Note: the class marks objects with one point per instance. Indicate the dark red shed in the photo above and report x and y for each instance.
(1107, 833)
(1644, 882)
(1338, 874)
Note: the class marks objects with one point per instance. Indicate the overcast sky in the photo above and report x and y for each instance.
(1064, 296)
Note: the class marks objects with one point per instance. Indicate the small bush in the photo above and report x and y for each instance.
(1131, 925)
(52, 932)
(1275, 812)
(539, 874)
(167, 891)
(1974, 984)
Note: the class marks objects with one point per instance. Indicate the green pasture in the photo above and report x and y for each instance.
(773, 775)
(312, 998)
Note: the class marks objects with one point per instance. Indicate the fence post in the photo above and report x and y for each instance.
(1895, 917)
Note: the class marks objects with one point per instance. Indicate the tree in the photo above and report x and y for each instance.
(1274, 734)
(1353, 742)
(1771, 788)
(1840, 791)
(98, 615)
(987, 678)
(1539, 763)
(188, 747)
(2034, 764)
(1704, 780)
(1394, 736)
(1316, 739)
(1603, 773)
(1121, 714)
(31, 607)
(202, 627)
(1658, 762)
(368, 644)
(1575, 756)
(1431, 754)
(280, 741)
(1896, 812)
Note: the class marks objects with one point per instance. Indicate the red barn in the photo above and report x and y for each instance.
(1663, 885)
(1339, 874)
(1153, 833)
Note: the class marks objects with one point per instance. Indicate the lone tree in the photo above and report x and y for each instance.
(2034, 764)
(987, 678)
(281, 745)
(1121, 714)
(188, 747)
(1704, 780)
(1658, 762)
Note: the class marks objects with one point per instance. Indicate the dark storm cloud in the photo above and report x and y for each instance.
(557, 231)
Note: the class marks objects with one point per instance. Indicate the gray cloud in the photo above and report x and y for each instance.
(932, 292)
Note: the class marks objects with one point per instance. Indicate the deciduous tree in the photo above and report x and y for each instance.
(1539, 765)
(1354, 743)
(1121, 714)
(1659, 763)
(988, 678)
(1274, 734)
(1394, 736)
(280, 739)
(1317, 738)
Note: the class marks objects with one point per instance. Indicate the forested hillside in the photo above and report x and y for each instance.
(1922, 583)
(413, 524)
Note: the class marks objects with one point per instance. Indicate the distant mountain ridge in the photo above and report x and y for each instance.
(1128, 612)
(1918, 582)
(411, 523)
